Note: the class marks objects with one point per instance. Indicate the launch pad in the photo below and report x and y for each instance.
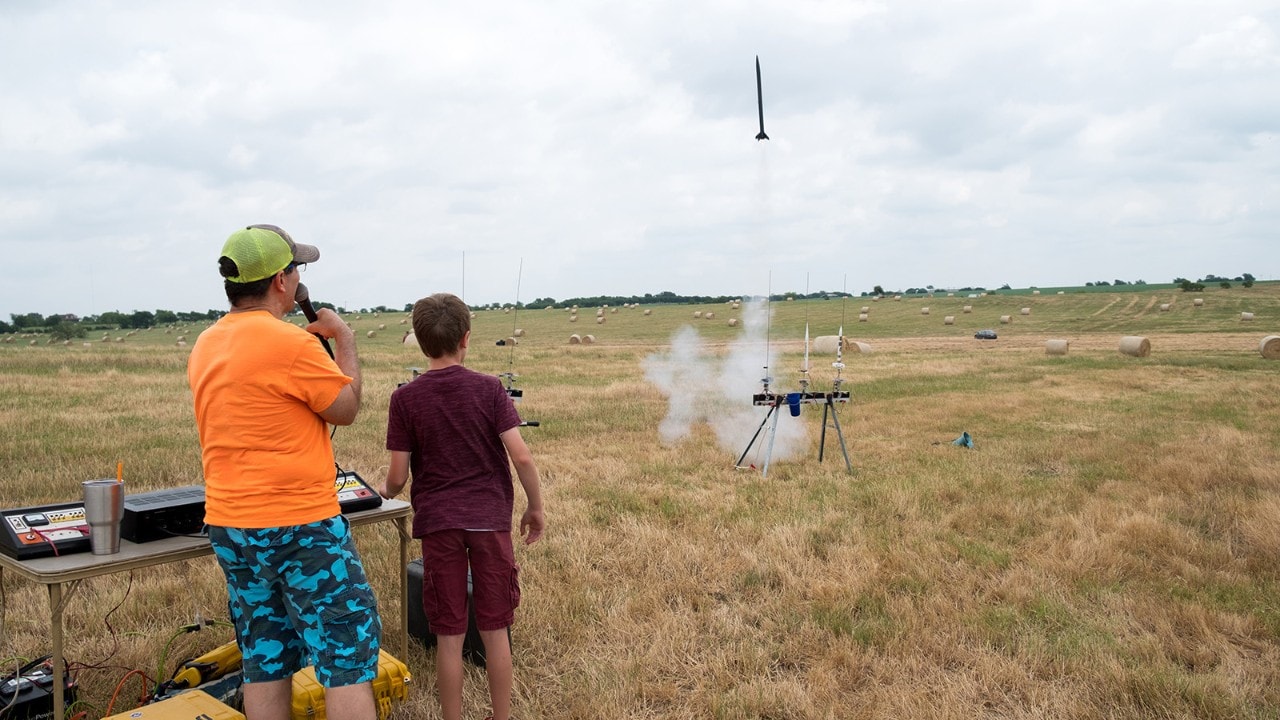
(793, 401)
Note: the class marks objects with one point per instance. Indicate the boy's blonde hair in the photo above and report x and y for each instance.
(440, 322)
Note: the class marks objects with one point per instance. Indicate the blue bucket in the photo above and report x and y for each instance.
(793, 401)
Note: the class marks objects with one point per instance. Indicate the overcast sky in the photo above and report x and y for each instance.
(576, 148)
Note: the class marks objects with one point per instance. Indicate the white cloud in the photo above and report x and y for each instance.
(611, 146)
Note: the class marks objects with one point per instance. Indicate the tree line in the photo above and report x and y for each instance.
(67, 326)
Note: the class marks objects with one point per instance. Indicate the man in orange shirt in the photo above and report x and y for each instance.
(265, 393)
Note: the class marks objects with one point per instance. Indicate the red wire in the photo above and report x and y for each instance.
(146, 682)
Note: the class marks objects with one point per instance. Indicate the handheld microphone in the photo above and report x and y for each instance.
(303, 298)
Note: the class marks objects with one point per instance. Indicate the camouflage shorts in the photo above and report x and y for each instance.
(298, 594)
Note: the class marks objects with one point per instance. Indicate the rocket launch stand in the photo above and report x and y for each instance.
(774, 401)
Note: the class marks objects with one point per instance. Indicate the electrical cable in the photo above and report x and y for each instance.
(17, 673)
(146, 683)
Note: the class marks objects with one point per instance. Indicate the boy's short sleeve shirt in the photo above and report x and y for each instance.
(449, 421)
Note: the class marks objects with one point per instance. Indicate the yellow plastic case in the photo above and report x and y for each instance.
(190, 705)
(391, 686)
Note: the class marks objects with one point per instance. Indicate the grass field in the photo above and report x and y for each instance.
(1109, 549)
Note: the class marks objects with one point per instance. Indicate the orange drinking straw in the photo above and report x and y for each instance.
(120, 471)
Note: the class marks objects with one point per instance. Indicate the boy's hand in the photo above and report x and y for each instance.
(531, 526)
(384, 492)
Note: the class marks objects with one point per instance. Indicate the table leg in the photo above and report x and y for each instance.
(55, 628)
(402, 527)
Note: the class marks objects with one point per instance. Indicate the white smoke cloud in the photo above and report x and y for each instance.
(703, 387)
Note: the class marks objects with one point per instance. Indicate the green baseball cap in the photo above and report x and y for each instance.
(260, 251)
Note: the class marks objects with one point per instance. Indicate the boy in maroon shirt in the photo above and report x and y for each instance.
(454, 429)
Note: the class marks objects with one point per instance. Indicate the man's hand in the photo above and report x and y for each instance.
(330, 325)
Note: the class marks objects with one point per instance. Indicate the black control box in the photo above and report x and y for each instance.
(159, 514)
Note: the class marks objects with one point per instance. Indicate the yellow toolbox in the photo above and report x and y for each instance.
(190, 705)
(391, 686)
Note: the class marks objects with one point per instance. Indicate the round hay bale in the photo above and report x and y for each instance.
(1164, 307)
(647, 311)
(734, 306)
(575, 339)
(33, 343)
(181, 343)
(404, 321)
(949, 320)
(827, 344)
(599, 312)
(504, 310)
(1005, 319)
(518, 332)
(697, 314)
(1198, 302)
(1246, 316)
(966, 309)
(1135, 346)
(856, 347)
(1024, 311)
(733, 322)
(588, 339)
(897, 298)
(924, 311)
(875, 299)
(371, 334)
(613, 310)
(862, 317)
(511, 341)
(382, 326)
(600, 320)
(709, 316)
(1035, 292)
(573, 318)
(409, 339)
(1056, 347)
(1270, 347)
(865, 309)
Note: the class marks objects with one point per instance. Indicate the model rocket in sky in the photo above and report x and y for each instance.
(760, 101)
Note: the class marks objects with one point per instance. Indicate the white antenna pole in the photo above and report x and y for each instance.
(768, 328)
(515, 313)
(806, 346)
(804, 371)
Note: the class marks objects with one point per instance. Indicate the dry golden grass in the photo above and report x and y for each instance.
(1108, 550)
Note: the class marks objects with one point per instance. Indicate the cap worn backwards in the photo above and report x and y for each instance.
(260, 251)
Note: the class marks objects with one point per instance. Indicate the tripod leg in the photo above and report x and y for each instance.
(756, 435)
(822, 440)
(848, 466)
(773, 434)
